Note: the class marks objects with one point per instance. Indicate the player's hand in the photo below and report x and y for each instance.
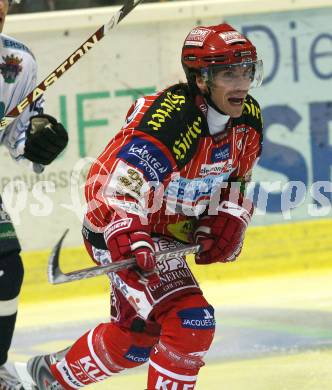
(223, 234)
(46, 139)
(126, 237)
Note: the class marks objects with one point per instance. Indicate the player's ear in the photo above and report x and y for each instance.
(201, 84)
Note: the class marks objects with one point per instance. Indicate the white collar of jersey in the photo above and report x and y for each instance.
(216, 121)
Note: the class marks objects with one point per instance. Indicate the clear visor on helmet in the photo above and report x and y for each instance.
(246, 74)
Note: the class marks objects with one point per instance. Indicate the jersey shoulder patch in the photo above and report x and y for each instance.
(251, 115)
(176, 122)
(11, 43)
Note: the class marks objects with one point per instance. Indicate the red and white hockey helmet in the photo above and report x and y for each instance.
(207, 50)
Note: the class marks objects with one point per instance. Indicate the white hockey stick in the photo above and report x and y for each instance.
(56, 276)
(107, 28)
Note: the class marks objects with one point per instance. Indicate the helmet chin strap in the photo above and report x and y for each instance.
(211, 103)
(207, 96)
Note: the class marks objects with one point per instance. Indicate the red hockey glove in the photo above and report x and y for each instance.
(126, 237)
(223, 233)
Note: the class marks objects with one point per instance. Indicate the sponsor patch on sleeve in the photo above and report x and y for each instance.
(13, 44)
(147, 157)
(126, 179)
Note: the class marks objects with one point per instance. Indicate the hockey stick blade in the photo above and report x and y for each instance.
(56, 276)
(78, 53)
(53, 270)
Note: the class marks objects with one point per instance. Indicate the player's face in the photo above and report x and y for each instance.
(3, 12)
(229, 89)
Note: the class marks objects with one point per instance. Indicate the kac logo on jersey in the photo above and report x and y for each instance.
(221, 154)
(11, 68)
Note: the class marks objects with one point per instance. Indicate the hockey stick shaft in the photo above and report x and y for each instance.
(59, 71)
(56, 276)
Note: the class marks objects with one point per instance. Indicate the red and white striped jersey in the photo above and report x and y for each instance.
(165, 166)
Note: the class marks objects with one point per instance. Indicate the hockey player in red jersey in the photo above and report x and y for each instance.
(165, 180)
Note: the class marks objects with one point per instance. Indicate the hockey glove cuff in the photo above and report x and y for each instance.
(126, 237)
(224, 232)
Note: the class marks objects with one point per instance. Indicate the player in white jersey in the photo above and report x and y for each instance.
(33, 138)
